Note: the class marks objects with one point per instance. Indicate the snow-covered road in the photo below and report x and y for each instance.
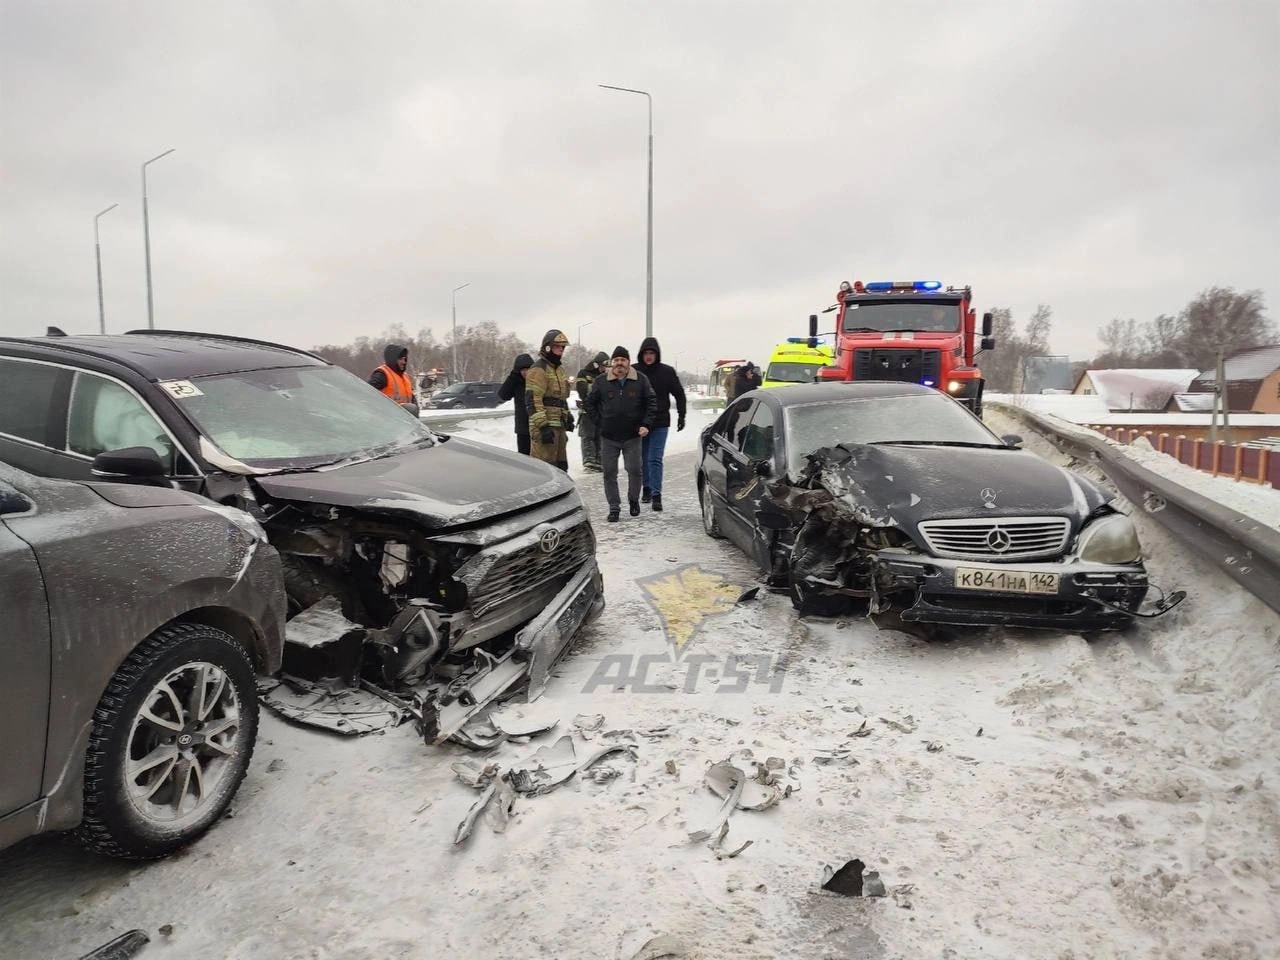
(1022, 795)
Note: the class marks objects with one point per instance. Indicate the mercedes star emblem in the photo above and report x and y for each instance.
(548, 542)
(988, 496)
(999, 541)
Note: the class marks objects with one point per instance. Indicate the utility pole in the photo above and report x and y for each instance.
(648, 297)
(146, 237)
(97, 253)
(453, 374)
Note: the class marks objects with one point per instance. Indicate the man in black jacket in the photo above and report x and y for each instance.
(513, 389)
(587, 429)
(748, 378)
(666, 384)
(622, 405)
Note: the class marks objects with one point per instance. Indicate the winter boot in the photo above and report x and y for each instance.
(657, 502)
(635, 509)
(645, 495)
(613, 514)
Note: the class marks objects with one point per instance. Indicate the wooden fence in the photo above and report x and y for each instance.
(1222, 459)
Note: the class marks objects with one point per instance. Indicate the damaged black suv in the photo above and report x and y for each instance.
(894, 496)
(441, 571)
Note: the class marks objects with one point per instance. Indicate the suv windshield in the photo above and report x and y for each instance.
(452, 390)
(919, 419)
(299, 417)
(926, 316)
(793, 372)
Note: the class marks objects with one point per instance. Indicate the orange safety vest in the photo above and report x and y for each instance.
(399, 388)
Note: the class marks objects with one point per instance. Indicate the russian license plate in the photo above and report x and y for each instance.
(1006, 581)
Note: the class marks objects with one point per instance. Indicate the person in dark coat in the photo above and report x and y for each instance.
(513, 389)
(666, 385)
(587, 429)
(623, 407)
(747, 378)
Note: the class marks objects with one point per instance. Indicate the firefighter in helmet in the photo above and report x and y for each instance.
(546, 397)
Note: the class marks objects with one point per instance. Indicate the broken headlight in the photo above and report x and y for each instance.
(1110, 539)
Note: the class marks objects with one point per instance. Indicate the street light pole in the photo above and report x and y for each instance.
(146, 237)
(582, 326)
(97, 254)
(648, 289)
(454, 298)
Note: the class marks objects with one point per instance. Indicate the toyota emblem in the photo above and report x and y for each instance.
(999, 541)
(548, 542)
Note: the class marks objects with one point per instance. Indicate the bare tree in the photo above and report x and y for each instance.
(1221, 319)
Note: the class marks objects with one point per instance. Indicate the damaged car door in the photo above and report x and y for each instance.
(749, 466)
(719, 454)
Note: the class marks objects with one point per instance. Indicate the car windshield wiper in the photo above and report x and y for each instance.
(940, 443)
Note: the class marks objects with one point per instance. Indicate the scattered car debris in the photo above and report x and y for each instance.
(123, 947)
(275, 765)
(748, 594)
(527, 722)
(755, 794)
(329, 705)
(862, 731)
(846, 881)
(672, 768)
(979, 732)
(588, 723)
(933, 746)
(475, 775)
(469, 821)
(906, 725)
(545, 769)
(663, 945)
(872, 885)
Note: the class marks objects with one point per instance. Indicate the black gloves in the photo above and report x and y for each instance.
(547, 435)
(679, 424)
(568, 421)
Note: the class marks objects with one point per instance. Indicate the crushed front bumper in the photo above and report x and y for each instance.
(538, 646)
(1090, 596)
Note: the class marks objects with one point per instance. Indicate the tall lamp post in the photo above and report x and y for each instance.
(146, 237)
(97, 254)
(648, 296)
(579, 341)
(453, 296)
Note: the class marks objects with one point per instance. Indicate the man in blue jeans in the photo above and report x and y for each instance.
(666, 384)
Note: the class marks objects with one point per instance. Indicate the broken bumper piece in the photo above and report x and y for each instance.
(538, 646)
(1089, 596)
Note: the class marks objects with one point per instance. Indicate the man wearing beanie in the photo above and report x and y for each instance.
(666, 384)
(513, 389)
(622, 405)
(586, 429)
(546, 400)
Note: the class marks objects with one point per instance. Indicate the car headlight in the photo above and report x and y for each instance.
(1110, 539)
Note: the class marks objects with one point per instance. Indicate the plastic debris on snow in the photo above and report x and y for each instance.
(741, 791)
(663, 945)
(541, 772)
(121, 948)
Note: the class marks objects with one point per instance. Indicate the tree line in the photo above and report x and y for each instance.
(485, 353)
(1218, 318)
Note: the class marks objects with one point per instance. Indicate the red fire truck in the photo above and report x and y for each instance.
(914, 331)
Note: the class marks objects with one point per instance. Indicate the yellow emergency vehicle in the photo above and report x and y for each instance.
(794, 361)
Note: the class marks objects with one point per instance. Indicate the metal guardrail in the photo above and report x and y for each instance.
(1243, 548)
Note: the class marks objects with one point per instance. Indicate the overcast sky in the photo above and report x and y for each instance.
(339, 167)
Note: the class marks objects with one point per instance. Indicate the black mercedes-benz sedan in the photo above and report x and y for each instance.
(894, 495)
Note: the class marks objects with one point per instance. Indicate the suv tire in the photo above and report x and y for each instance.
(171, 741)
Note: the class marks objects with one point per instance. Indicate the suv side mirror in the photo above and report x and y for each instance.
(988, 343)
(1012, 439)
(130, 465)
(986, 324)
(762, 468)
